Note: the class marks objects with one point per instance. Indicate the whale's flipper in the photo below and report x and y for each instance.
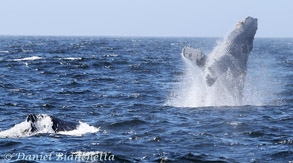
(194, 55)
(57, 124)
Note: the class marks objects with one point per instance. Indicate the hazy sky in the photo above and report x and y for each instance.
(192, 18)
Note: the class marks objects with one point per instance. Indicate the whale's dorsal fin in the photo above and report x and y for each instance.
(194, 55)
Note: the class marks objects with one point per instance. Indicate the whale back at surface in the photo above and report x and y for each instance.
(60, 125)
(55, 124)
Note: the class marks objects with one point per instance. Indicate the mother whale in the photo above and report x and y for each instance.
(227, 64)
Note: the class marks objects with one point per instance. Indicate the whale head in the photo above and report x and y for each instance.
(233, 53)
(248, 22)
(244, 31)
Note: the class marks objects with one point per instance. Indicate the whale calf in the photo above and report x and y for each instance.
(227, 63)
(56, 124)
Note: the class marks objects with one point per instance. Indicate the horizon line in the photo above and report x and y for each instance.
(125, 36)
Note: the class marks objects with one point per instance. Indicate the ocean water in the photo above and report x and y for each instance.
(134, 100)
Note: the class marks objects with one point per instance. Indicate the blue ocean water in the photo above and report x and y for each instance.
(130, 95)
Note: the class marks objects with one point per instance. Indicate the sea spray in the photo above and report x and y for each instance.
(193, 91)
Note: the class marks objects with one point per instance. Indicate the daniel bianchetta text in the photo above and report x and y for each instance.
(59, 156)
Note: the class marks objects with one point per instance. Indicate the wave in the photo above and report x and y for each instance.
(70, 58)
(29, 58)
(4, 52)
(38, 58)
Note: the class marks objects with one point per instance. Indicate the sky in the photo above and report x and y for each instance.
(166, 18)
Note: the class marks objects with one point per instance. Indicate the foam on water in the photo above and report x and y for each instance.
(44, 125)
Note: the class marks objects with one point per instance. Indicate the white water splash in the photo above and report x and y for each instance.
(19, 130)
(193, 91)
(82, 128)
(22, 129)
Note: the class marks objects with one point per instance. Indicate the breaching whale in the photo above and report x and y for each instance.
(56, 124)
(227, 63)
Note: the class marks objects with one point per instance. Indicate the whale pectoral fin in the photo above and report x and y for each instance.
(194, 55)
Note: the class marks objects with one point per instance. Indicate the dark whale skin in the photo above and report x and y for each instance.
(58, 124)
